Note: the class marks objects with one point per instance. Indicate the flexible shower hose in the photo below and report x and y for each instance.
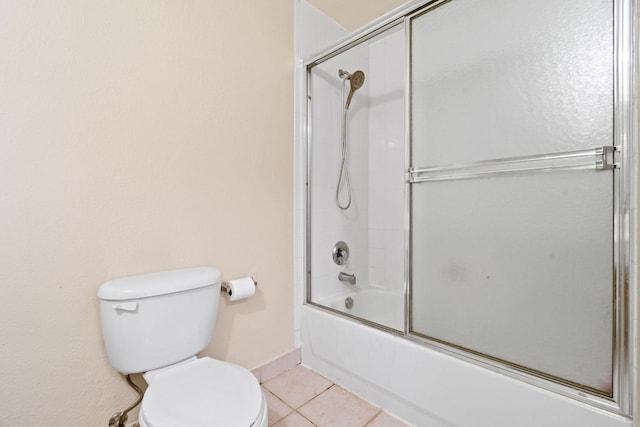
(343, 177)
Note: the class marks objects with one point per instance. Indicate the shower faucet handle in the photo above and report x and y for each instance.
(340, 253)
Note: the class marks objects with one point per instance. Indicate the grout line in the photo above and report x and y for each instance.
(314, 397)
(285, 404)
(307, 418)
(372, 418)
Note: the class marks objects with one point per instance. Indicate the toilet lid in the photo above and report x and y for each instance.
(202, 393)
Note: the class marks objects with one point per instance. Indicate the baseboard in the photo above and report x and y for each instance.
(277, 366)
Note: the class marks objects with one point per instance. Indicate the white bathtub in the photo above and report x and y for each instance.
(428, 388)
(375, 305)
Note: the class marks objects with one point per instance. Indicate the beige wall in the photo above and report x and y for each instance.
(354, 14)
(136, 137)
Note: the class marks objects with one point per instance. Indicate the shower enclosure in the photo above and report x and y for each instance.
(488, 155)
(373, 225)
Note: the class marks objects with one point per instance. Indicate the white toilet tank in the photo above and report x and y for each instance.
(154, 320)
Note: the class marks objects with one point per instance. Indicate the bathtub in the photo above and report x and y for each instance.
(375, 305)
(426, 387)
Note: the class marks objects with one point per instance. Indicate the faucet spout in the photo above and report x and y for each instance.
(346, 277)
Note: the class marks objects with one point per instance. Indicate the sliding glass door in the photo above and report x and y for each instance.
(513, 178)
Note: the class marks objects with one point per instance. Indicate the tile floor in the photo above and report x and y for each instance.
(301, 398)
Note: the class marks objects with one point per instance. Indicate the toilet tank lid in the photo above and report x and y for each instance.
(160, 283)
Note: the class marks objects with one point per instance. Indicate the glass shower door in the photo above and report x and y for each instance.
(512, 185)
(356, 181)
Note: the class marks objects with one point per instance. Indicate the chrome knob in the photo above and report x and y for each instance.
(340, 253)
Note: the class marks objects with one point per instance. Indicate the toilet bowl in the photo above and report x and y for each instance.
(156, 323)
(204, 393)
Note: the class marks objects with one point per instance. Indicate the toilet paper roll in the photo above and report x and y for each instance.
(241, 288)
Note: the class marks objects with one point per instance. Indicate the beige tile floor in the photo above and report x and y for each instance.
(301, 398)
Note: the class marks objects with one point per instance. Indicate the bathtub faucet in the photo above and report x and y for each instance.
(346, 277)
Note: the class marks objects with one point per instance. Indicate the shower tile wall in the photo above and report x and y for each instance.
(373, 226)
(330, 224)
(386, 162)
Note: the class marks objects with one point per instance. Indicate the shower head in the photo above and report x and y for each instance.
(357, 80)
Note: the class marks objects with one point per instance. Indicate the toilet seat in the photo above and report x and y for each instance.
(203, 393)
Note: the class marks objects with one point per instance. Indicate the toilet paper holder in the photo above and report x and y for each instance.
(224, 286)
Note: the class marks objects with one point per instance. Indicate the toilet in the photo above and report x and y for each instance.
(155, 324)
